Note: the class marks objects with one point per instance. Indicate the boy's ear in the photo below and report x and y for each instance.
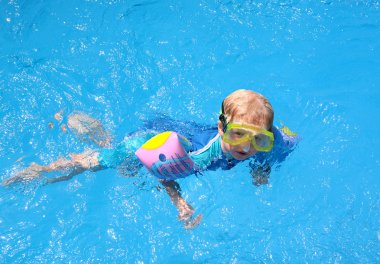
(220, 129)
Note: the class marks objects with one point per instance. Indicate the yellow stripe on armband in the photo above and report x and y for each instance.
(157, 141)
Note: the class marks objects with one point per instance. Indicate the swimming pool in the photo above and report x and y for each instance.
(126, 61)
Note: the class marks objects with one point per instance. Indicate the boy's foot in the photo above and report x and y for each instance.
(28, 174)
(88, 128)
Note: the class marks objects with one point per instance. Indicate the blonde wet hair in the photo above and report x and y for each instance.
(248, 107)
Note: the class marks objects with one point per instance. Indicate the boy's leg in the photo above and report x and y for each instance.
(78, 163)
(33, 171)
(88, 128)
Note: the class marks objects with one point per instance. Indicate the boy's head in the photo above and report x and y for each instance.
(246, 120)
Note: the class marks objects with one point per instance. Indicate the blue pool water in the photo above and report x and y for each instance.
(124, 62)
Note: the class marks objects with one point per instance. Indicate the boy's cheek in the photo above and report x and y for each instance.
(225, 147)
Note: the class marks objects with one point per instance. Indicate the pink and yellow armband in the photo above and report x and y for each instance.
(165, 157)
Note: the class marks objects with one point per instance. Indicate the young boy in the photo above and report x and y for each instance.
(245, 129)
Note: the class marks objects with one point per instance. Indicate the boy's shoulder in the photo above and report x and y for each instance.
(203, 137)
(284, 143)
(284, 137)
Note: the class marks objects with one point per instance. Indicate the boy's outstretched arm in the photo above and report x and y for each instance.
(185, 210)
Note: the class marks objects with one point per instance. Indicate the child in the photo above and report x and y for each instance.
(245, 129)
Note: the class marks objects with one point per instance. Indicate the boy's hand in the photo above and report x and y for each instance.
(186, 212)
(260, 175)
(192, 222)
(259, 179)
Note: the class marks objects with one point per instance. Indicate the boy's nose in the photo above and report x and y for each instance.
(246, 148)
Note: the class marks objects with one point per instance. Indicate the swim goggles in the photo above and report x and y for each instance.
(236, 134)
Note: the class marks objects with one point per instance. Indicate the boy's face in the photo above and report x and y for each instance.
(241, 151)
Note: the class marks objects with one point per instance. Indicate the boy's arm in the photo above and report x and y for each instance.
(185, 210)
(285, 142)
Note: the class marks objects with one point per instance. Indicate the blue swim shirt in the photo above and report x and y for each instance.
(206, 151)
